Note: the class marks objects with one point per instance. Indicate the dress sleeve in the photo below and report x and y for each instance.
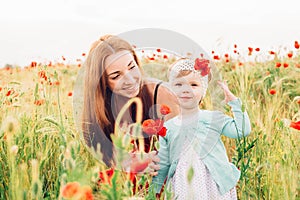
(238, 126)
(164, 164)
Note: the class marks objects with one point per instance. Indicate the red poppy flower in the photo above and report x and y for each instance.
(272, 91)
(106, 176)
(39, 102)
(226, 55)
(216, 57)
(290, 55)
(272, 52)
(152, 127)
(235, 51)
(131, 176)
(278, 64)
(203, 65)
(70, 94)
(162, 132)
(33, 64)
(257, 49)
(235, 46)
(158, 50)
(285, 65)
(295, 125)
(148, 126)
(42, 74)
(70, 190)
(9, 92)
(86, 193)
(164, 109)
(165, 57)
(83, 54)
(296, 45)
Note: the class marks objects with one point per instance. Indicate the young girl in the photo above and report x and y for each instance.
(192, 154)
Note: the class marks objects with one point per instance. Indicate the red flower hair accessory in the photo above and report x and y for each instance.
(199, 65)
(202, 65)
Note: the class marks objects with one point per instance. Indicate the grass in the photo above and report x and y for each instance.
(41, 150)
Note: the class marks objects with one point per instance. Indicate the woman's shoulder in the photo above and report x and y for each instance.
(152, 83)
(164, 95)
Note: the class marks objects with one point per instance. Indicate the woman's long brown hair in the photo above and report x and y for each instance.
(98, 110)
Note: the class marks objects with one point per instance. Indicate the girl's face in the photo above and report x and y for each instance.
(123, 74)
(188, 90)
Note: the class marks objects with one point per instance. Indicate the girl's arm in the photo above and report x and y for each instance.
(239, 125)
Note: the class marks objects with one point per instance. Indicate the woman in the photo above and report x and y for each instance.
(113, 75)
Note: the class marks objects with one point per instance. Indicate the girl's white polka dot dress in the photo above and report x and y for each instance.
(201, 185)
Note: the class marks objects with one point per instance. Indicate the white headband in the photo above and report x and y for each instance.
(189, 65)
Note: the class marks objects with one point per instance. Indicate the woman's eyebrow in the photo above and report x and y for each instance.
(115, 72)
(130, 63)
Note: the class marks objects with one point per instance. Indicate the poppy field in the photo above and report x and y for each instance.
(42, 155)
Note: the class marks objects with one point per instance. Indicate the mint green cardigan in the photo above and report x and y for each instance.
(204, 134)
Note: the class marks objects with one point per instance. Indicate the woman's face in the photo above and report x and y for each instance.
(123, 74)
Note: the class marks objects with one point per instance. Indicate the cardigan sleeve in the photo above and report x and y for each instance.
(238, 126)
(164, 164)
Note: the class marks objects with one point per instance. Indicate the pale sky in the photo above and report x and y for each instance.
(46, 30)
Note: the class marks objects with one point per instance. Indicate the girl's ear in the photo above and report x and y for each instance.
(200, 100)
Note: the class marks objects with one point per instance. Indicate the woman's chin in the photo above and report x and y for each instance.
(131, 94)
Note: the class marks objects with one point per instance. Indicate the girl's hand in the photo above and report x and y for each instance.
(228, 94)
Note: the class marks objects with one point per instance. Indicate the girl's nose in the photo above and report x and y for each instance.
(186, 89)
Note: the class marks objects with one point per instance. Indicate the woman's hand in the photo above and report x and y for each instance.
(228, 94)
(146, 162)
(154, 166)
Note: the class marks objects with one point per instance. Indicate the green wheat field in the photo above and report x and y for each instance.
(43, 157)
